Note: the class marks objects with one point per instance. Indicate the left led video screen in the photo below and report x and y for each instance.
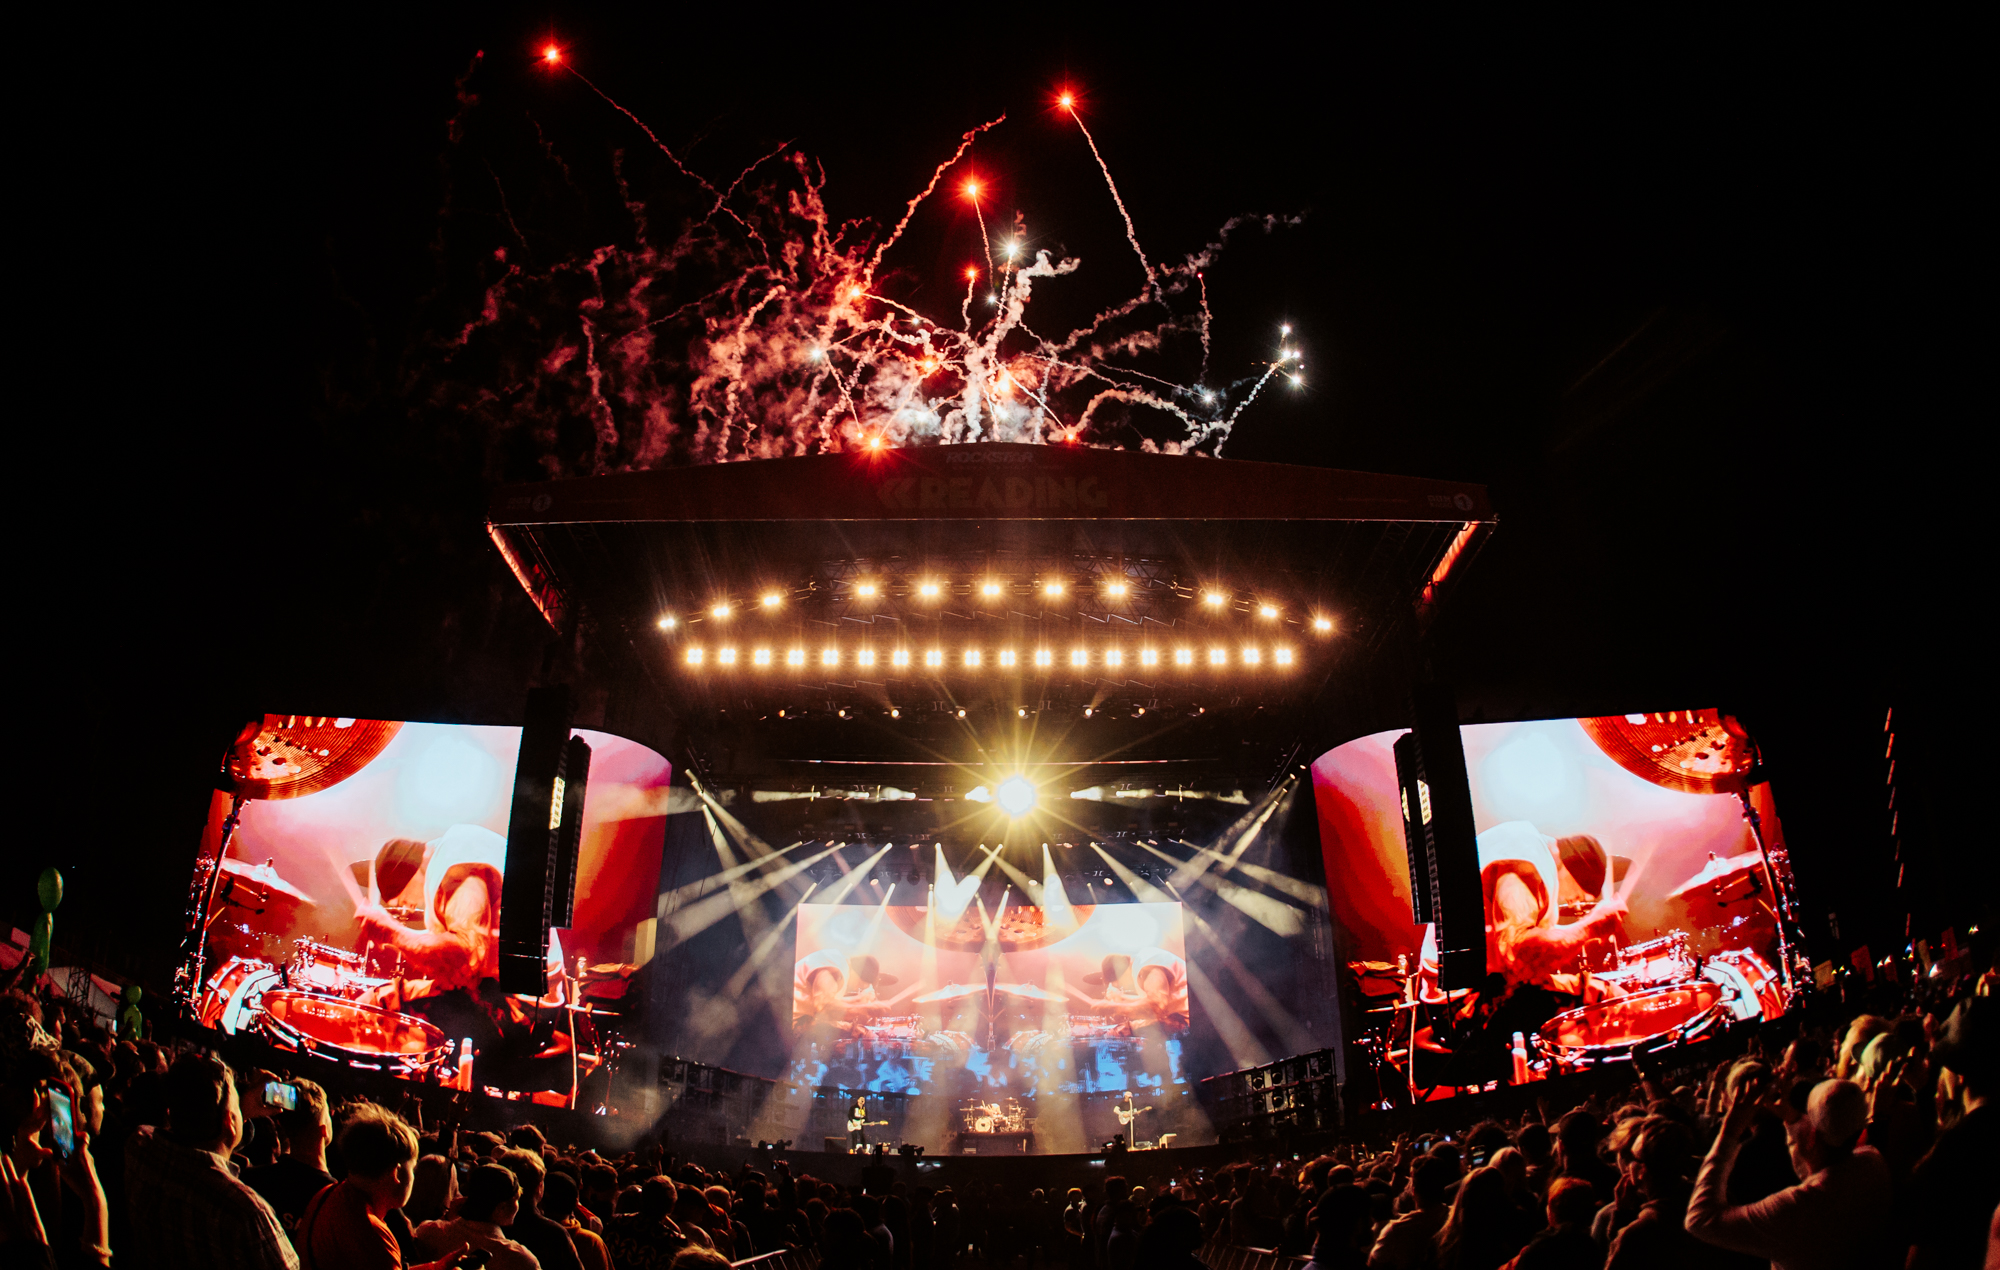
(356, 912)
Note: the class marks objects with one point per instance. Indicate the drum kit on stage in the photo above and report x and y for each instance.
(993, 1117)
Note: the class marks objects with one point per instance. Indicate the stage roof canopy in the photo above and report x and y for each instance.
(1003, 576)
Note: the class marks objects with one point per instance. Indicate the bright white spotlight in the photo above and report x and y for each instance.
(666, 623)
(1016, 796)
(720, 610)
(990, 589)
(772, 600)
(1322, 624)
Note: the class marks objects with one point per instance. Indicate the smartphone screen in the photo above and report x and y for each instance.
(62, 1123)
(278, 1094)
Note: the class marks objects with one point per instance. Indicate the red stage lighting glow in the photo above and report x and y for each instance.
(1067, 101)
(972, 189)
(972, 271)
(552, 55)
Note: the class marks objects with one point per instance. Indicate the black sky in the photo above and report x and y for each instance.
(1696, 302)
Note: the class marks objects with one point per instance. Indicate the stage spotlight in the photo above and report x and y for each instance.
(961, 712)
(666, 623)
(1251, 657)
(1022, 712)
(1149, 657)
(1043, 657)
(972, 658)
(829, 657)
(1079, 657)
(1052, 588)
(1268, 610)
(1322, 623)
(773, 600)
(1213, 599)
(761, 657)
(1184, 657)
(928, 590)
(990, 589)
(1006, 657)
(1115, 590)
(895, 713)
(1283, 656)
(726, 656)
(1017, 796)
(866, 590)
(796, 657)
(720, 610)
(866, 657)
(694, 657)
(901, 657)
(1218, 657)
(935, 657)
(1113, 657)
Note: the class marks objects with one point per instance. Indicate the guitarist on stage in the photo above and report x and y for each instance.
(1127, 1113)
(857, 1125)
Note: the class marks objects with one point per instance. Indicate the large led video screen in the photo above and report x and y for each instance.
(1029, 1000)
(355, 914)
(1627, 900)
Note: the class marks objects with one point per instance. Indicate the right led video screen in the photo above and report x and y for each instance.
(1630, 903)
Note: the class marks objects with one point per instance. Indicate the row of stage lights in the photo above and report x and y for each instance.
(728, 656)
(772, 601)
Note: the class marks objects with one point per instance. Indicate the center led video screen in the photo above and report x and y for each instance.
(1084, 998)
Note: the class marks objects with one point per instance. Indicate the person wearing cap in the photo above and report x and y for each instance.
(1527, 878)
(828, 986)
(460, 942)
(1956, 1186)
(1838, 1216)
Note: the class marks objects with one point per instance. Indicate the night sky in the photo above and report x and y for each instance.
(1693, 302)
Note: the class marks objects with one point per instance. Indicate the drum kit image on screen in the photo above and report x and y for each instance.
(1628, 908)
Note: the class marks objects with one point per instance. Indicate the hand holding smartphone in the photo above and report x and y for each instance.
(281, 1096)
(62, 1124)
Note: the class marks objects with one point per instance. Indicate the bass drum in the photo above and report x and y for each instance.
(351, 1032)
(984, 1124)
(232, 1000)
(1756, 989)
(1614, 1027)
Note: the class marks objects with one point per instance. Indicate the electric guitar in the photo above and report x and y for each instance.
(863, 1124)
(1127, 1117)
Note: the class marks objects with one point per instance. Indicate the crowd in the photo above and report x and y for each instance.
(1870, 1144)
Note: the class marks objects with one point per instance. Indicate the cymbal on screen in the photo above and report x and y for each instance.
(265, 876)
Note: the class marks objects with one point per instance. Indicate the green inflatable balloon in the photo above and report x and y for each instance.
(131, 1023)
(38, 943)
(49, 888)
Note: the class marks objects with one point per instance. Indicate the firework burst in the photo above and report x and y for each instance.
(736, 319)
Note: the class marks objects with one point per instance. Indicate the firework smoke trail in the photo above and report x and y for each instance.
(978, 214)
(1202, 278)
(964, 144)
(1131, 234)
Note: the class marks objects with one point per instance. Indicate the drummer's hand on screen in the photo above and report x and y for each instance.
(1609, 911)
(370, 913)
